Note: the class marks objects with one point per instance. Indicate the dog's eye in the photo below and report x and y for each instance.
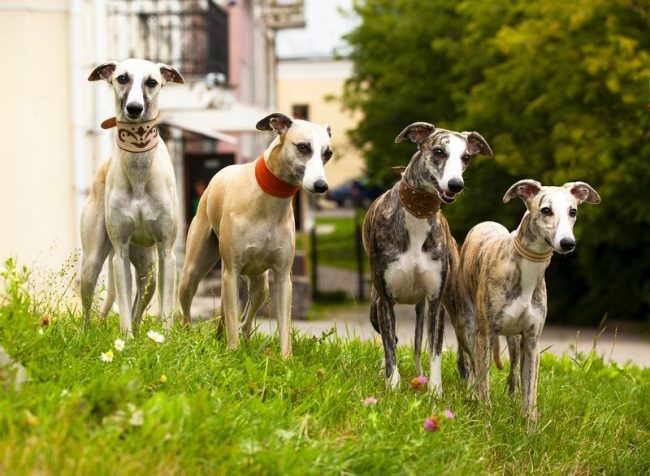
(573, 212)
(327, 155)
(152, 83)
(438, 152)
(304, 147)
(546, 211)
(122, 79)
(466, 158)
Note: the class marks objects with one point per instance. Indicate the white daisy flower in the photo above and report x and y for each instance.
(106, 356)
(156, 337)
(119, 345)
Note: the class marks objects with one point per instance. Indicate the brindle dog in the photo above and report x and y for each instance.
(408, 242)
(501, 281)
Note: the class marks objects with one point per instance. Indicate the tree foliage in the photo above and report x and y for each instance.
(559, 89)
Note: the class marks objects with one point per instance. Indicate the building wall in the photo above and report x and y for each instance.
(317, 84)
(36, 168)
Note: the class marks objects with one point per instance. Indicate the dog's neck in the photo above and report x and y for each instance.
(416, 195)
(529, 245)
(136, 137)
(272, 174)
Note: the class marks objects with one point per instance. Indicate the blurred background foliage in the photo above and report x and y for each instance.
(559, 89)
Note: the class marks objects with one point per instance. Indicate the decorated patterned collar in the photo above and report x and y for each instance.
(134, 136)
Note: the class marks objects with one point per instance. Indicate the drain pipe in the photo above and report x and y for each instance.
(76, 96)
(102, 101)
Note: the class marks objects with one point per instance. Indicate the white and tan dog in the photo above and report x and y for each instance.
(132, 206)
(245, 217)
(501, 281)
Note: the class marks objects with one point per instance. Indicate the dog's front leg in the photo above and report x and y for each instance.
(122, 270)
(529, 373)
(230, 305)
(514, 351)
(281, 308)
(419, 326)
(436, 335)
(166, 282)
(386, 316)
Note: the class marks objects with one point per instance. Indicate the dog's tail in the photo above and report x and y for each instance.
(496, 352)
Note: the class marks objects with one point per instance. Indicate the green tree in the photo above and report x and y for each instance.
(558, 88)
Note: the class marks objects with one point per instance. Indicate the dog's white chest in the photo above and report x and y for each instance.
(414, 276)
(519, 314)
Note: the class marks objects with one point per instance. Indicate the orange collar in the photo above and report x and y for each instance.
(271, 183)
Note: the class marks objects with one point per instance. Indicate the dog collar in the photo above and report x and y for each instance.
(271, 183)
(134, 136)
(418, 203)
(529, 254)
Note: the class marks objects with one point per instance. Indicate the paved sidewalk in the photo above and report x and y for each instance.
(620, 341)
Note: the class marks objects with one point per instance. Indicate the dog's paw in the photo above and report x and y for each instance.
(435, 388)
(392, 382)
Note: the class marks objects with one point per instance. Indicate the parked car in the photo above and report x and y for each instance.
(353, 193)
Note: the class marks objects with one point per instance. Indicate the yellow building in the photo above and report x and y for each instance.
(310, 89)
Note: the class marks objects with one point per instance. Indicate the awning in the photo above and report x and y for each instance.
(188, 124)
(236, 118)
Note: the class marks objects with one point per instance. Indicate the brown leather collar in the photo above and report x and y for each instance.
(419, 204)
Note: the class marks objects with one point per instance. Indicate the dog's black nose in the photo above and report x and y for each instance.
(567, 244)
(134, 108)
(320, 186)
(455, 185)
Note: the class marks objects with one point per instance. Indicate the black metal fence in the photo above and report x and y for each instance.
(189, 34)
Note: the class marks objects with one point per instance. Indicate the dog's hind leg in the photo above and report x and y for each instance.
(436, 335)
(110, 289)
(419, 326)
(514, 350)
(144, 261)
(95, 249)
(201, 255)
(256, 286)
(386, 317)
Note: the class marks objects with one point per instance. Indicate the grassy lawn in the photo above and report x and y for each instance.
(188, 406)
(337, 248)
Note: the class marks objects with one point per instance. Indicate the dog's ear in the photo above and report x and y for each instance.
(416, 132)
(170, 74)
(525, 189)
(328, 129)
(277, 122)
(477, 145)
(583, 192)
(103, 71)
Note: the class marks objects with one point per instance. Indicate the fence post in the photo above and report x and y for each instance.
(359, 252)
(314, 263)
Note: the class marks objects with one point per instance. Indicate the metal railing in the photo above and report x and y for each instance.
(191, 35)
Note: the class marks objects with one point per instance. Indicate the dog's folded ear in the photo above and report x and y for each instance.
(416, 132)
(477, 145)
(277, 122)
(170, 74)
(103, 71)
(583, 192)
(525, 189)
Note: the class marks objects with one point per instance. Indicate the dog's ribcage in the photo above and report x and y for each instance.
(414, 276)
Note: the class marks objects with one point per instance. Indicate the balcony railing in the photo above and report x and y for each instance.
(191, 35)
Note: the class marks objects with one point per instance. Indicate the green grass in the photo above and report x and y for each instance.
(249, 412)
